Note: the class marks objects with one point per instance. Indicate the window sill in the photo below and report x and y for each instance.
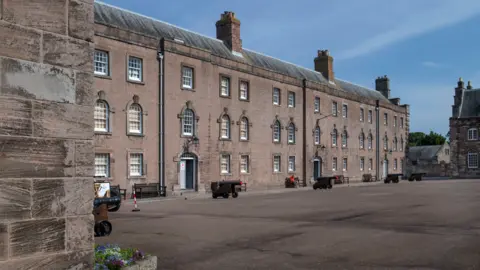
(141, 177)
(135, 135)
(244, 140)
(188, 89)
(223, 96)
(278, 105)
(225, 139)
(277, 172)
(245, 173)
(226, 174)
(106, 133)
(277, 142)
(135, 82)
(103, 179)
(100, 76)
(291, 143)
(244, 99)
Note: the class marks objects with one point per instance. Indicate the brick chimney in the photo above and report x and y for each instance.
(457, 99)
(228, 30)
(382, 85)
(324, 64)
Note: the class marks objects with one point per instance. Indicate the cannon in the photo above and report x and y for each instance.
(394, 178)
(106, 200)
(416, 177)
(324, 182)
(225, 188)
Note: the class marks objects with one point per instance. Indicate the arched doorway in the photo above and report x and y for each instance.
(317, 168)
(188, 171)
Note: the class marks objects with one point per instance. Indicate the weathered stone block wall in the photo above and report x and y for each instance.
(460, 146)
(46, 134)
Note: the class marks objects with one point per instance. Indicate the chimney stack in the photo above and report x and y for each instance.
(457, 99)
(324, 64)
(228, 30)
(469, 86)
(382, 85)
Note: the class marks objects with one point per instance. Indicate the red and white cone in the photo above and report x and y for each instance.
(136, 209)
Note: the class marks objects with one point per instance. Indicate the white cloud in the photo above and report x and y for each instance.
(415, 21)
(431, 64)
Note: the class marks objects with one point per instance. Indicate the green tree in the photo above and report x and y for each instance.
(420, 138)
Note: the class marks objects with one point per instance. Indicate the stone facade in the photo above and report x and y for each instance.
(203, 96)
(434, 160)
(464, 129)
(46, 134)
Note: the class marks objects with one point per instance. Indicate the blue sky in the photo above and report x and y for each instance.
(423, 46)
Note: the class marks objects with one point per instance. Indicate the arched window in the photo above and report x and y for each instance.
(225, 127)
(370, 141)
(244, 129)
(188, 122)
(401, 144)
(101, 116)
(317, 135)
(291, 133)
(276, 131)
(334, 137)
(344, 139)
(395, 144)
(362, 141)
(135, 119)
(385, 143)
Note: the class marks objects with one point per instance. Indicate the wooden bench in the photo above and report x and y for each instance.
(146, 190)
(123, 191)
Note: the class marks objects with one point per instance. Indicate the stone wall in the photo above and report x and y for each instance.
(46, 134)
(431, 169)
(460, 146)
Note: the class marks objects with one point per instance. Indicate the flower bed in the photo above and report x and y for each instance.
(112, 257)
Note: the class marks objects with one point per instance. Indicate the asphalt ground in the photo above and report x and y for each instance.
(410, 225)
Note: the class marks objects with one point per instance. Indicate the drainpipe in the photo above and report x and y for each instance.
(304, 131)
(161, 147)
(377, 138)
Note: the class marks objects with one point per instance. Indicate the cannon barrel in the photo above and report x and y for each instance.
(108, 201)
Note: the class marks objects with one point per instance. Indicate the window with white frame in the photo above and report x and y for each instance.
(276, 163)
(334, 164)
(291, 99)
(385, 119)
(345, 164)
(344, 139)
(395, 164)
(225, 127)
(101, 116)
(244, 129)
(243, 90)
(188, 123)
(276, 131)
(102, 165)
(344, 110)
(225, 163)
(316, 104)
(225, 86)
(317, 135)
(135, 72)
(370, 139)
(395, 144)
(401, 122)
(291, 133)
(395, 121)
(401, 144)
(362, 114)
(385, 143)
(135, 119)
(136, 164)
(276, 96)
(362, 141)
(244, 164)
(362, 163)
(101, 63)
(187, 77)
(334, 137)
(473, 134)
(334, 108)
(291, 163)
(370, 164)
(472, 160)
(401, 165)
(370, 116)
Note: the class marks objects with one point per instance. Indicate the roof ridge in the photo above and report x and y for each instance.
(356, 84)
(157, 20)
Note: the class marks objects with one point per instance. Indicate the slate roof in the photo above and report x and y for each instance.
(424, 152)
(127, 20)
(470, 106)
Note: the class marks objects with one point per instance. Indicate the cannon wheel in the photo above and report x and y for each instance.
(330, 186)
(235, 194)
(214, 195)
(395, 181)
(386, 181)
(103, 228)
(314, 187)
(226, 195)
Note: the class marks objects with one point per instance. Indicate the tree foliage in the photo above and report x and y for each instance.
(420, 138)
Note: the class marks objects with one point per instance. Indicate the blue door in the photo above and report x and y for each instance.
(189, 173)
(317, 169)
